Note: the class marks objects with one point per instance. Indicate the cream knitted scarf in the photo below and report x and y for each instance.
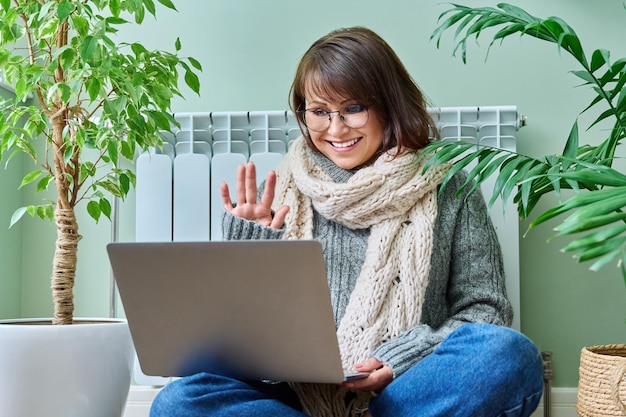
(399, 205)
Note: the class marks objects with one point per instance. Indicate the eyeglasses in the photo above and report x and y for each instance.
(354, 116)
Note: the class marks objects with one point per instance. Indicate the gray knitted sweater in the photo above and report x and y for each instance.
(466, 281)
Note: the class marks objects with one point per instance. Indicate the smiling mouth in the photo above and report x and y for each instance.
(345, 144)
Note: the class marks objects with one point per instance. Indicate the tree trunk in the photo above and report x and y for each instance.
(64, 265)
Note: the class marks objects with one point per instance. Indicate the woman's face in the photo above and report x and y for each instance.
(347, 147)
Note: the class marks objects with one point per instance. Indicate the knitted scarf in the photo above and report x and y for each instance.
(399, 205)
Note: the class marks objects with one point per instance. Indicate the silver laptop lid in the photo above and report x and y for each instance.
(255, 309)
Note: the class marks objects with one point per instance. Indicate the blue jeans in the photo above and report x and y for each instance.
(478, 370)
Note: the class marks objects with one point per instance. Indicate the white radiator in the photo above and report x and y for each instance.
(177, 192)
(209, 146)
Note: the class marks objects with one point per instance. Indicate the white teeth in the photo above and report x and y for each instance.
(345, 144)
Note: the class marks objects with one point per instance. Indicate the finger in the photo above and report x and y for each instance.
(375, 381)
(370, 364)
(268, 192)
(279, 217)
(251, 189)
(240, 192)
(225, 192)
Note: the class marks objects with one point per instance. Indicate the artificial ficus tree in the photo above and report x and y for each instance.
(84, 102)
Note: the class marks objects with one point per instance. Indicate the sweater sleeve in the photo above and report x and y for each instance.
(466, 281)
(236, 228)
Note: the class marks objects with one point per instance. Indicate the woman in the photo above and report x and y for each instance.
(416, 275)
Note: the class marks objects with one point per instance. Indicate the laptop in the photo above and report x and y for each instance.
(250, 309)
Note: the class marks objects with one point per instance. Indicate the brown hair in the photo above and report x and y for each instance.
(358, 64)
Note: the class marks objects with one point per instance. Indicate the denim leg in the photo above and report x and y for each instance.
(478, 370)
(208, 395)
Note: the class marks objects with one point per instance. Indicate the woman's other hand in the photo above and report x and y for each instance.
(380, 376)
(247, 206)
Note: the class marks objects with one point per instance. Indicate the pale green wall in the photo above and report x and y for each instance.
(249, 50)
(10, 239)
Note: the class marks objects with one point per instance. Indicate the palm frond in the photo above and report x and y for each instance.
(595, 211)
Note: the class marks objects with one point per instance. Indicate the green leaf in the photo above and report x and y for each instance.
(600, 206)
(30, 177)
(140, 13)
(485, 156)
(508, 31)
(149, 5)
(60, 91)
(64, 10)
(45, 212)
(449, 153)
(124, 184)
(572, 44)
(93, 88)
(599, 58)
(195, 63)
(93, 208)
(584, 199)
(571, 146)
(88, 47)
(606, 114)
(569, 227)
(66, 57)
(621, 101)
(585, 76)
(159, 119)
(22, 89)
(612, 72)
(592, 239)
(89, 168)
(526, 186)
(606, 259)
(127, 151)
(168, 4)
(517, 12)
(447, 23)
(116, 21)
(600, 249)
(43, 184)
(441, 152)
(488, 169)
(192, 80)
(111, 187)
(114, 7)
(105, 207)
(595, 178)
(138, 49)
(500, 188)
(48, 28)
(17, 215)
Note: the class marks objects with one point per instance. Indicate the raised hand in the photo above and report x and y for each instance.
(247, 206)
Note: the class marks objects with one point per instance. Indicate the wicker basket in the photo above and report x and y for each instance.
(601, 385)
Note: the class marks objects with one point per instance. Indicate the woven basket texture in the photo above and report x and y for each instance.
(601, 385)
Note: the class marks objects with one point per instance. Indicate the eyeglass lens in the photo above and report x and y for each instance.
(354, 116)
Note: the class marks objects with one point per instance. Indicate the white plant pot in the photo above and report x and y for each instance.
(78, 370)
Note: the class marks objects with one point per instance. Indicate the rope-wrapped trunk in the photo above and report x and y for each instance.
(64, 265)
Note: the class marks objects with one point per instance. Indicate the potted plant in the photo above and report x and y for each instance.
(83, 104)
(591, 212)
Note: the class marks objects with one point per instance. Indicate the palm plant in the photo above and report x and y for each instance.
(596, 219)
(83, 104)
